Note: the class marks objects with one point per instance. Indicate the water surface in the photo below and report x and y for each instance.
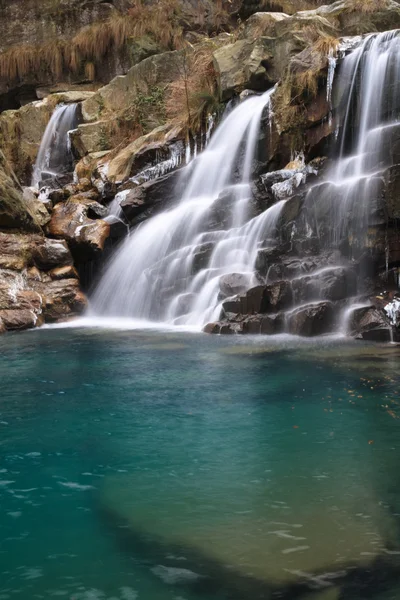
(169, 466)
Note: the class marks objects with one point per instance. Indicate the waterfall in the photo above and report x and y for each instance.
(368, 87)
(55, 157)
(169, 269)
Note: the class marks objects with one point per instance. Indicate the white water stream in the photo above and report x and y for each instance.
(54, 155)
(169, 269)
(369, 89)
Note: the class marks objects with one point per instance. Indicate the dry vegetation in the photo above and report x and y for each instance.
(195, 94)
(301, 83)
(369, 6)
(162, 21)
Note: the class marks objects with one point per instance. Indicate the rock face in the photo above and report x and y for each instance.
(14, 213)
(30, 293)
(38, 283)
(70, 221)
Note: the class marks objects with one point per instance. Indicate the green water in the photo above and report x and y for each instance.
(169, 466)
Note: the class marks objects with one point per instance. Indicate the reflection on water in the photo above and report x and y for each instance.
(157, 465)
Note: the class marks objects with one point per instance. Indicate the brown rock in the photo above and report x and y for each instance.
(70, 222)
(211, 328)
(52, 253)
(311, 320)
(34, 273)
(62, 298)
(68, 272)
(18, 319)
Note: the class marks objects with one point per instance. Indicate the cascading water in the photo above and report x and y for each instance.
(180, 266)
(54, 157)
(369, 89)
(170, 268)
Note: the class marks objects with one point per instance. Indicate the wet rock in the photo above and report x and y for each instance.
(52, 253)
(311, 320)
(56, 196)
(366, 318)
(287, 187)
(263, 324)
(68, 272)
(36, 207)
(147, 199)
(261, 299)
(211, 328)
(392, 192)
(144, 152)
(17, 319)
(34, 274)
(70, 221)
(201, 257)
(379, 334)
(223, 328)
(227, 329)
(62, 298)
(330, 284)
(233, 284)
(16, 250)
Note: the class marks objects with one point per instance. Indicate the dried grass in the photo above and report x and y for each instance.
(368, 6)
(300, 85)
(195, 93)
(162, 20)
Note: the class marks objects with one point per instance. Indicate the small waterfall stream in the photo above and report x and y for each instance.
(54, 157)
(170, 268)
(369, 86)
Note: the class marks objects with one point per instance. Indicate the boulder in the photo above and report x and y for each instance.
(93, 137)
(36, 207)
(366, 318)
(261, 299)
(261, 24)
(17, 319)
(332, 283)
(223, 328)
(67, 272)
(52, 253)
(263, 324)
(352, 21)
(233, 284)
(147, 199)
(201, 257)
(62, 298)
(145, 151)
(311, 320)
(70, 221)
(14, 212)
(16, 250)
(154, 72)
(241, 65)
